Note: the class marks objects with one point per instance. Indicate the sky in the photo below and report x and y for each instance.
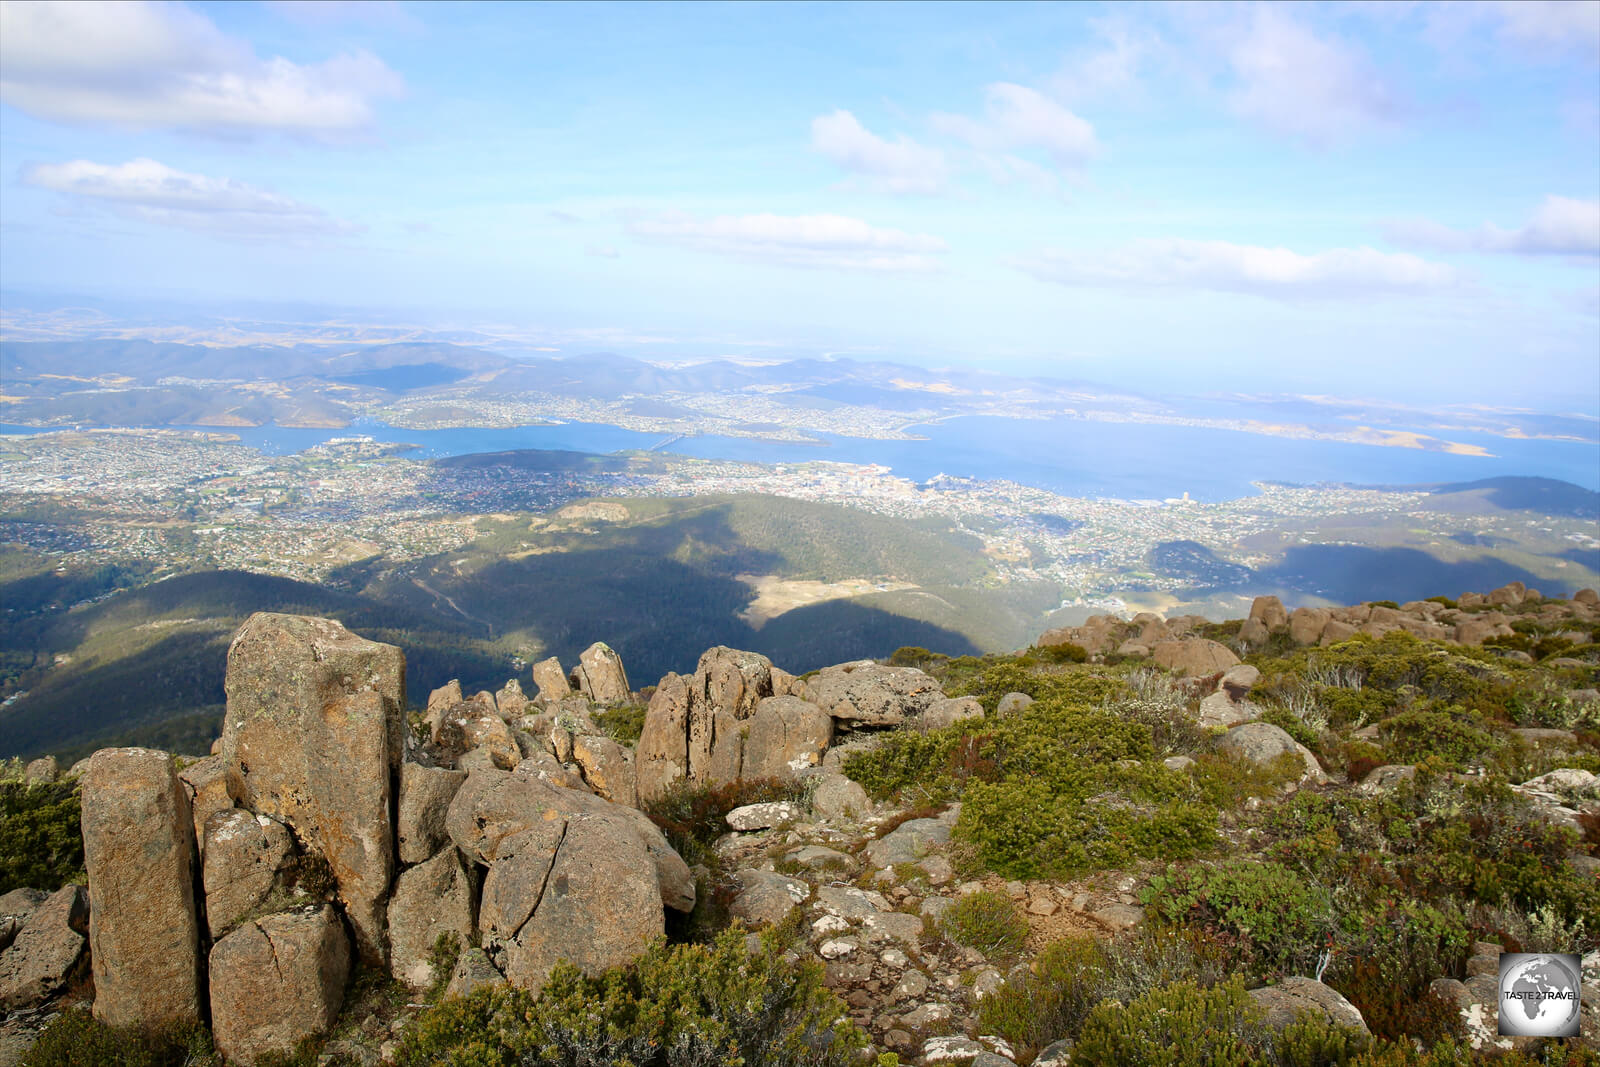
(1367, 199)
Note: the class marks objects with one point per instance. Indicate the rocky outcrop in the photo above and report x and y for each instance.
(138, 847)
(725, 722)
(1193, 656)
(600, 677)
(551, 681)
(1262, 743)
(313, 737)
(207, 782)
(277, 981)
(46, 952)
(474, 724)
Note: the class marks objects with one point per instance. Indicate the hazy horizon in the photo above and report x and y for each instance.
(1395, 201)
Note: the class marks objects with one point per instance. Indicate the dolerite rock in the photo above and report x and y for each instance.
(1386, 779)
(909, 842)
(1261, 743)
(784, 734)
(277, 981)
(138, 847)
(425, 795)
(245, 858)
(41, 771)
(510, 701)
(430, 900)
(766, 898)
(1335, 631)
(1306, 625)
(750, 817)
(607, 768)
(1012, 704)
(475, 724)
(600, 677)
(868, 694)
(695, 727)
(1193, 656)
(551, 680)
(1218, 710)
(1268, 610)
(46, 951)
(948, 710)
(207, 783)
(15, 907)
(492, 807)
(473, 970)
(1293, 997)
(837, 797)
(600, 906)
(313, 737)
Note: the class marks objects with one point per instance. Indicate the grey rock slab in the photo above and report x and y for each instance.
(908, 842)
(46, 951)
(430, 900)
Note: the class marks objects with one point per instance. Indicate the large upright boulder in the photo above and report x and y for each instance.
(313, 737)
(425, 795)
(1194, 656)
(726, 722)
(1268, 610)
(277, 981)
(600, 677)
(245, 858)
(551, 680)
(138, 847)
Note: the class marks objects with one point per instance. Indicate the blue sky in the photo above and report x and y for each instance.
(1386, 199)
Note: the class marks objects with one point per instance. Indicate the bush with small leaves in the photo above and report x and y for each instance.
(987, 921)
(75, 1038)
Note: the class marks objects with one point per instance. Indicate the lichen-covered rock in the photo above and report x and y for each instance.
(947, 710)
(838, 797)
(750, 817)
(600, 906)
(510, 701)
(600, 677)
(607, 768)
(1261, 743)
(245, 858)
(41, 771)
(493, 806)
(277, 981)
(784, 733)
(551, 680)
(46, 952)
(138, 847)
(425, 795)
(766, 898)
(429, 900)
(475, 725)
(1293, 997)
(869, 694)
(313, 737)
(1193, 656)
(473, 970)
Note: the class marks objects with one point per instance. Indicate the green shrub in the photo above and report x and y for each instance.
(41, 840)
(1263, 914)
(987, 921)
(1452, 736)
(75, 1038)
(622, 722)
(718, 1005)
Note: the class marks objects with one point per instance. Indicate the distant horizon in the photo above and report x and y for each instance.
(1396, 201)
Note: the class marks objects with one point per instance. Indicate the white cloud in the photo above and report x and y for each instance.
(153, 192)
(901, 166)
(1294, 82)
(1562, 23)
(827, 241)
(1561, 226)
(1017, 118)
(140, 64)
(602, 251)
(1221, 266)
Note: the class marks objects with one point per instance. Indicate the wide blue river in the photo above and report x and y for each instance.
(1068, 456)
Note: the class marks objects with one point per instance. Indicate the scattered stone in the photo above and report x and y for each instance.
(41, 771)
(764, 816)
(949, 710)
(1386, 779)
(956, 1050)
(138, 847)
(1177, 763)
(1118, 917)
(1220, 710)
(1261, 743)
(820, 857)
(766, 898)
(46, 951)
(1012, 704)
(837, 797)
(839, 947)
(911, 985)
(510, 701)
(277, 981)
(1055, 1054)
